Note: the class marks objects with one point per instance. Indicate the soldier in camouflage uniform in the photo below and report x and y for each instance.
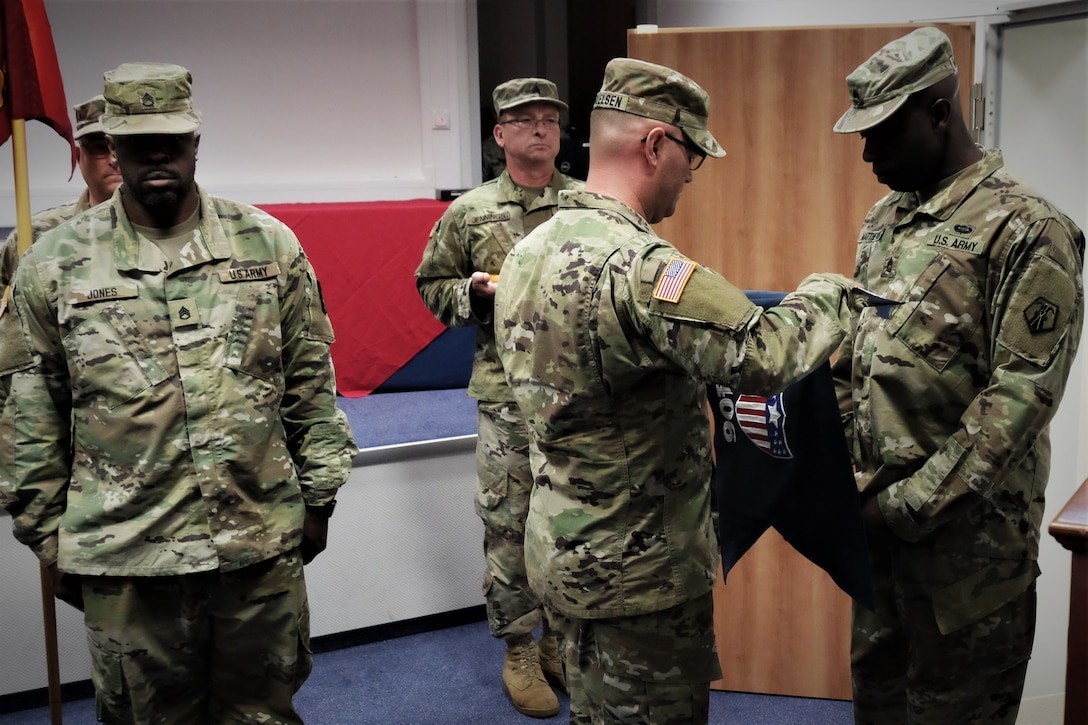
(947, 399)
(172, 442)
(98, 167)
(457, 280)
(608, 336)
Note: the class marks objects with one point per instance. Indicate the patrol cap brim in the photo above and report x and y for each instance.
(150, 123)
(535, 99)
(862, 119)
(93, 127)
(704, 140)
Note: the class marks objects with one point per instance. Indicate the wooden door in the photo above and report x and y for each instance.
(787, 200)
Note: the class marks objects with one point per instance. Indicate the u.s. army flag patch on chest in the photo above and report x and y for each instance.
(671, 283)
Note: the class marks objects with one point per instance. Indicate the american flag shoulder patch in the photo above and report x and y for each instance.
(671, 283)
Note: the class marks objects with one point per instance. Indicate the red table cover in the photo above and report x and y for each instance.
(365, 255)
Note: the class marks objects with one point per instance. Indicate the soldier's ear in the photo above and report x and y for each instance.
(940, 112)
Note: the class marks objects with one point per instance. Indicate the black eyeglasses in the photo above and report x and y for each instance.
(695, 158)
(95, 147)
(530, 124)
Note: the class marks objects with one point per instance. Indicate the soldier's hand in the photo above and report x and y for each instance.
(67, 587)
(315, 536)
(483, 285)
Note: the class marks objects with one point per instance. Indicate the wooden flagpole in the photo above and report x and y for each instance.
(22, 185)
(49, 602)
(52, 656)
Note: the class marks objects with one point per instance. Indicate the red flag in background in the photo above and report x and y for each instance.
(32, 86)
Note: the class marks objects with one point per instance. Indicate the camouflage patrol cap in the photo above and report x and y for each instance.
(654, 91)
(143, 98)
(89, 116)
(519, 91)
(882, 84)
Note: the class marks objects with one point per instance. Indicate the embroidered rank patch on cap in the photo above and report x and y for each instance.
(673, 280)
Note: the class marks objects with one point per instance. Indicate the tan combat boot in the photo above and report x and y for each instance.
(551, 661)
(523, 681)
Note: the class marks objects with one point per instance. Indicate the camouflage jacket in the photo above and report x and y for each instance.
(164, 423)
(41, 222)
(612, 381)
(475, 234)
(947, 401)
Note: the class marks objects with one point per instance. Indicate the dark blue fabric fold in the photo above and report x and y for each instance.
(783, 462)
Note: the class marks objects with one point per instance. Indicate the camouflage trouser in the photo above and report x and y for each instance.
(651, 669)
(504, 482)
(905, 671)
(200, 649)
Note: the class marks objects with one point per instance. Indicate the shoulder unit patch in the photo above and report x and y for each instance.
(1041, 316)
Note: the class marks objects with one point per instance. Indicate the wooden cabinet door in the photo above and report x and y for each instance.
(787, 200)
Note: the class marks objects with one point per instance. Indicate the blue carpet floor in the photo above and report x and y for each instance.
(451, 677)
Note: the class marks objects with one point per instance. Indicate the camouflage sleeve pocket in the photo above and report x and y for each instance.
(707, 300)
(1039, 312)
(319, 326)
(15, 352)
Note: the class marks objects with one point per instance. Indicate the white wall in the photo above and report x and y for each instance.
(303, 100)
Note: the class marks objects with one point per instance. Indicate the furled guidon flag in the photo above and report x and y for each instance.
(792, 473)
(763, 420)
